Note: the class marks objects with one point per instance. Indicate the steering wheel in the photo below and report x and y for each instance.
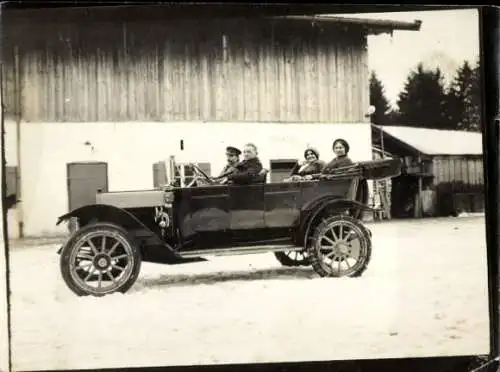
(198, 173)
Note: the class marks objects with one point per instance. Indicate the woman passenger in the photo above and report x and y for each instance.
(341, 149)
(311, 165)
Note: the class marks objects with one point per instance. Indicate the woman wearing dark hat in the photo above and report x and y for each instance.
(341, 149)
(311, 165)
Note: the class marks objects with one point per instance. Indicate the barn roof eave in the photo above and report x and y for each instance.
(372, 26)
(413, 139)
(411, 149)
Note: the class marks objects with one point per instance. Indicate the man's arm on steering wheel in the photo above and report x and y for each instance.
(218, 180)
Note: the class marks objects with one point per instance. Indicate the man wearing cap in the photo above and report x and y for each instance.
(233, 158)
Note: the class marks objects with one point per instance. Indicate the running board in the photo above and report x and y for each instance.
(240, 250)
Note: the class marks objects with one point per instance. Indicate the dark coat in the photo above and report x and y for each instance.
(314, 167)
(341, 161)
(246, 171)
(229, 168)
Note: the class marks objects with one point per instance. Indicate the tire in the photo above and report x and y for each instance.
(102, 266)
(342, 252)
(286, 258)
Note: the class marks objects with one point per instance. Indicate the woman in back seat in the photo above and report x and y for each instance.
(305, 170)
(341, 149)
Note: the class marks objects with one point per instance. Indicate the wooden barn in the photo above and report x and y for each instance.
(443, 170)
(95, 96)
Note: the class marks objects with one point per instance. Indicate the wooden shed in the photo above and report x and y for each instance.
(443, 170)
(120, 88)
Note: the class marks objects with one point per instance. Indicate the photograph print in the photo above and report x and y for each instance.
(193, 189)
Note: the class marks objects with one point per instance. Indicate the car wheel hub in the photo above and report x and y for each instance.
(342, 249)
(102, 262)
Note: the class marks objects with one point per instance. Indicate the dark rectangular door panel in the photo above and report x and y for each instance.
(282, 205)
(247, 206)
(209, 216)
(210, 213)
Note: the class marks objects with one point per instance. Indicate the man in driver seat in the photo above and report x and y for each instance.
(247, 171)
(233, 158)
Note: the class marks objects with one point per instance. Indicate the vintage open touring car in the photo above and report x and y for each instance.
(317, 220)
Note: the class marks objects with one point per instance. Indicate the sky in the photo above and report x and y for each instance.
(445, 40)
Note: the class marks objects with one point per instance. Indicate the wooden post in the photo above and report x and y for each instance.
(378, 186)
(419, 205)
(386, 214)
(18, 115)
(376, 215)
(4, 319)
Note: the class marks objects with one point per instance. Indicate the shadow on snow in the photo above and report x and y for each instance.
(284, 273)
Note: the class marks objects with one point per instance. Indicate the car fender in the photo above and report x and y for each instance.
(118, 216)
(308, 210)
(336, 203)
(103, 212)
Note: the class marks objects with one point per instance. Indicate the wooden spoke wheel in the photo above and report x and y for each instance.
(100, 259)
(341, 247)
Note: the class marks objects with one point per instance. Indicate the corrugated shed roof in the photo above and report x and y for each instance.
(437, 141)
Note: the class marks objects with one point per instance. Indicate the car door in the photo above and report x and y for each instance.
(247, 211)
(282, 206)
(210, 216)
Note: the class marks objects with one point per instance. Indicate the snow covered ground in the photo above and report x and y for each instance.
(425, 293)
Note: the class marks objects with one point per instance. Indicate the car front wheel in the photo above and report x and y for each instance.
(340, 247)
(100, 259)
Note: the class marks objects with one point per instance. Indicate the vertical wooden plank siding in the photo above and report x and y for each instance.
(178, 71)
(466, 169)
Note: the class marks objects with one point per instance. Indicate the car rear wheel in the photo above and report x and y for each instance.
(340, 247)
(100, 259)
(293, 258)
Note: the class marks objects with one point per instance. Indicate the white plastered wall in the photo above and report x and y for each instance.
(130, 149)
